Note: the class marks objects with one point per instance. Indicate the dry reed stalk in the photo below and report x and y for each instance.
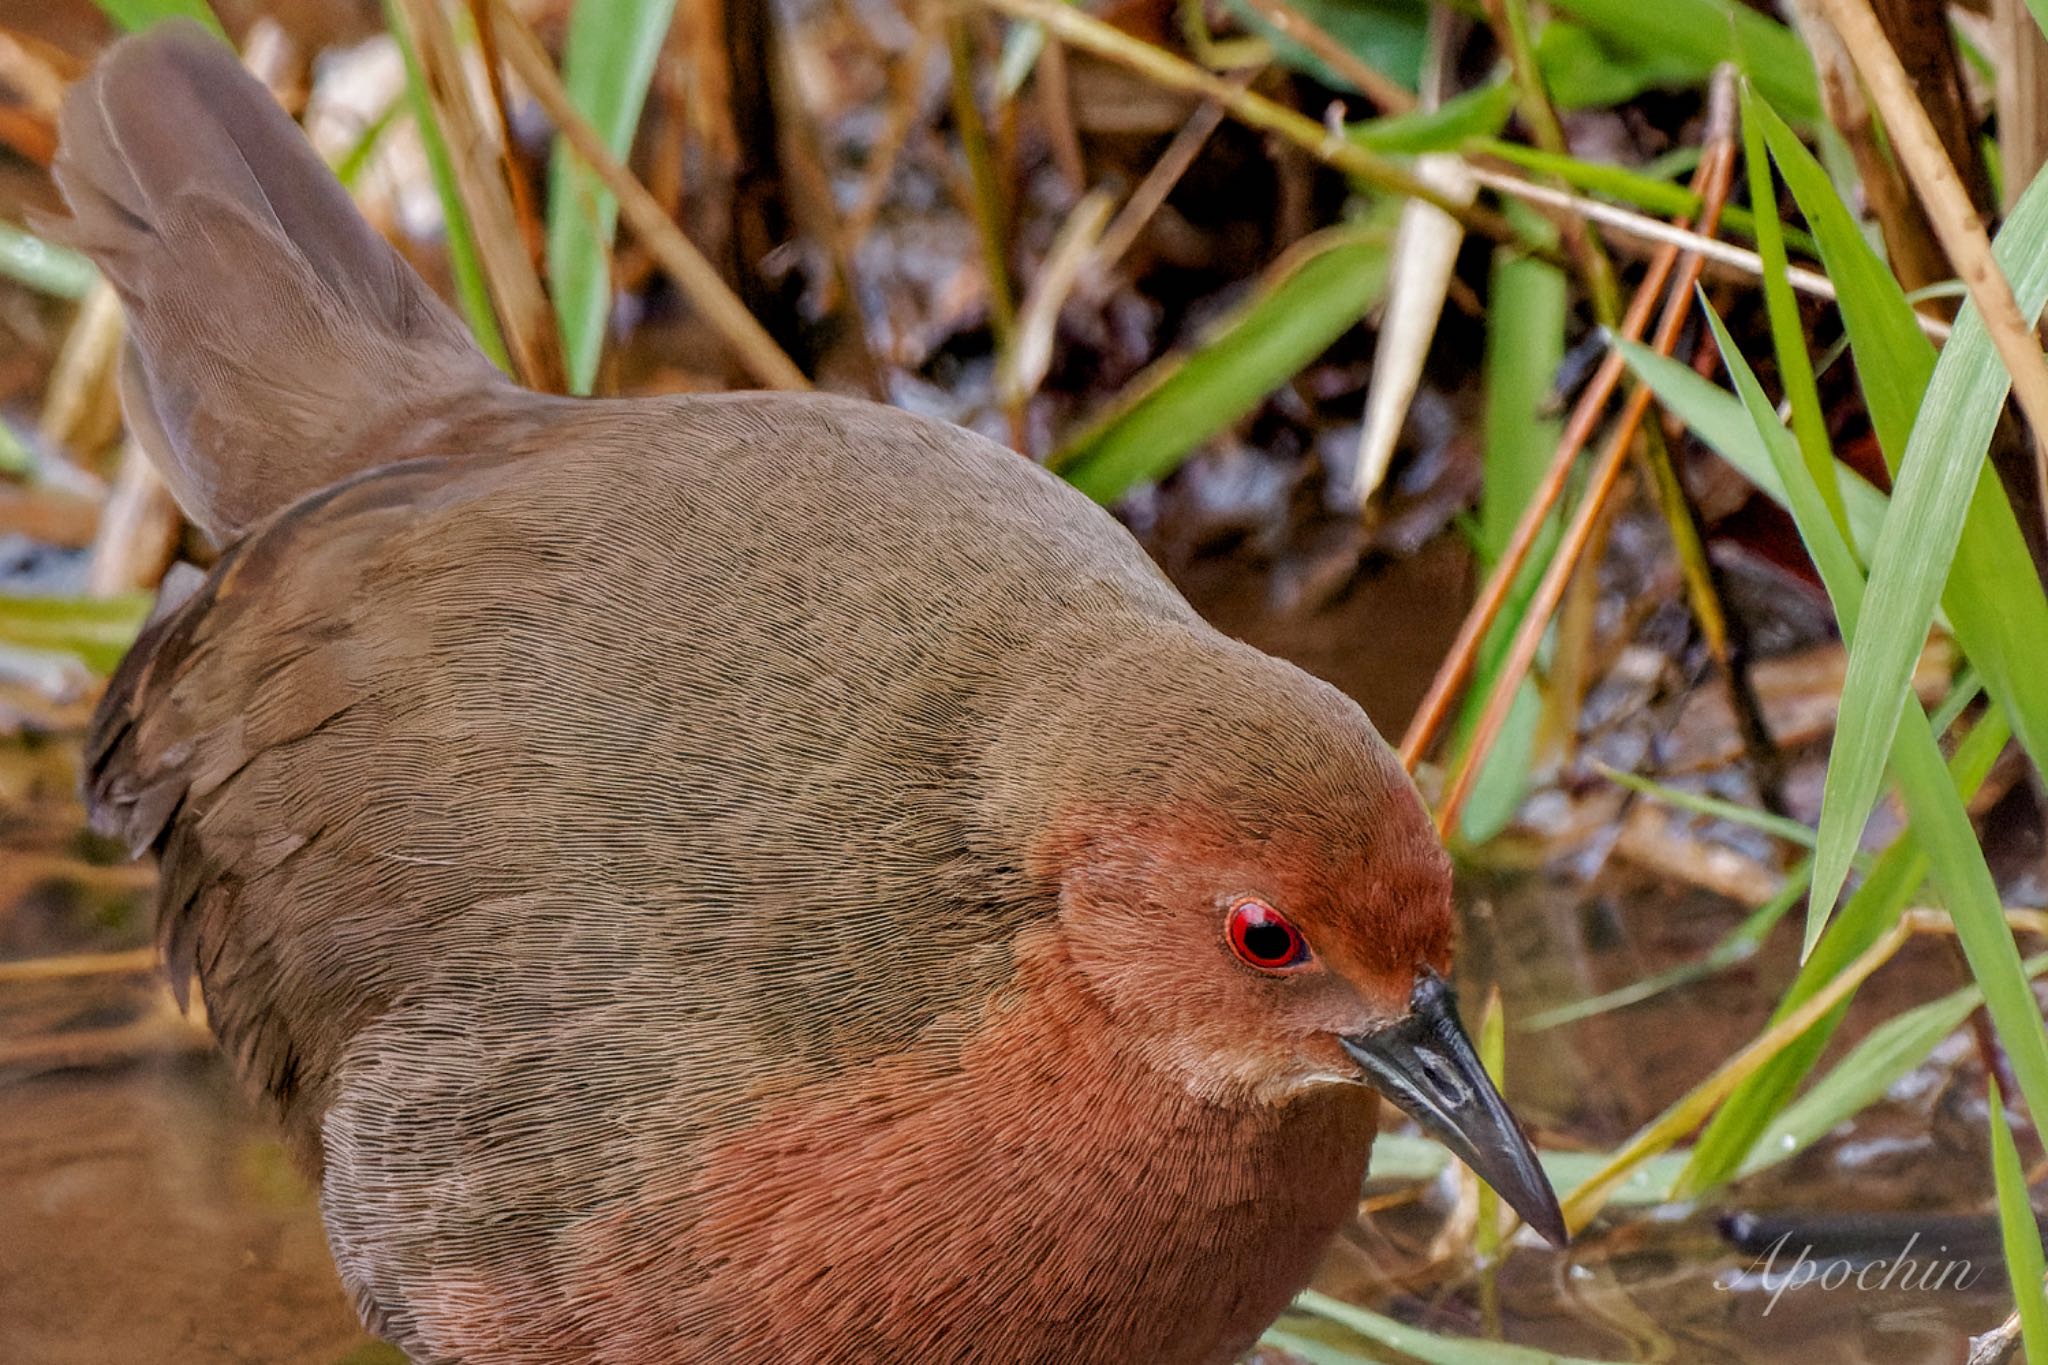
(2022, 56)
(1376, 86)
(1023, 368)
(72, 966)
(525, 314)
(1628, 223)
(1949, 207)
(1715, 174)
(81, 408)
(524, 211)
(1056, 107)
(696, 277)
(55, 516)
(137, 539)
(1915, 256)
(1188, 140)
(1464, 652)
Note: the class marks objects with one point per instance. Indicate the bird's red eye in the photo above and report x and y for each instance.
(1263, 938)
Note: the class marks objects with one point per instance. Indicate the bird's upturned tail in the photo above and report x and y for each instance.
(279, 343)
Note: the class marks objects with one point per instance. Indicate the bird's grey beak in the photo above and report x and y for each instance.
(1425, 1064)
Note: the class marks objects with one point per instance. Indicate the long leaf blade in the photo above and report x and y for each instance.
(1993, 600)
(1710, 32)
(1413, 1342)
(607, 66)
(1720, 419)
(1940, 822)
(1872, 1067)
(2020, 1233)
(1311, 301)
(136, 15)
(1788, 331)
(1893, 881)
(1937, 479)
(1526, 313)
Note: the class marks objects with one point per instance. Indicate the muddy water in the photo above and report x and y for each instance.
(149, 1218)
(147, 1215)
(1909, 1176)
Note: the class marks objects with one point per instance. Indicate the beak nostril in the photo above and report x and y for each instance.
(1449, 1087)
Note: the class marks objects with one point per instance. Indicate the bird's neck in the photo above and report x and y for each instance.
(1035, 1170)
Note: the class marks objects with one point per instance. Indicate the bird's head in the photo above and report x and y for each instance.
(1249, 883)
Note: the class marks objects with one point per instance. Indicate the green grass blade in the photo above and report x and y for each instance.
(1894, 880)
(1788, 331)
(1584, 69)
(2020, 1233)
(463, 262)
(1964, 688)
(1492, 1044)
(1402, 1157)
(1313, 299)
(97, 630)
(1895, 360)
(1890, 349)
(1937, 481)
(1860, 1079)
(1993, 601)
(1387, 35)
(136, 15)
(349, 168)
(1526, 311)
(44, 266)
(1709, 32)
(1939, 820)
(1685, 1114)
(1383, 1332)
(1777, 826)
(1627, 185)
(606, 67)
(1825, 541)
(16, 459)
(1478, 113)
(1620, 183)
(1023, 44)
(1719, 418)
(1737, 945)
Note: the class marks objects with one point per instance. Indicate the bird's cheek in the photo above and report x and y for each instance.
(1237, 1066)
(1313, 1062)
(1282, 1052)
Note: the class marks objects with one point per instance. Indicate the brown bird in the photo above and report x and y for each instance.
(751, 878)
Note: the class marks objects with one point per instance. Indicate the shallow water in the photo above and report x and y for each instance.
(145, 1213)
(1902, 1189)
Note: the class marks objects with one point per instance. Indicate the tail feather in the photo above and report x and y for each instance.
(278, 339)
